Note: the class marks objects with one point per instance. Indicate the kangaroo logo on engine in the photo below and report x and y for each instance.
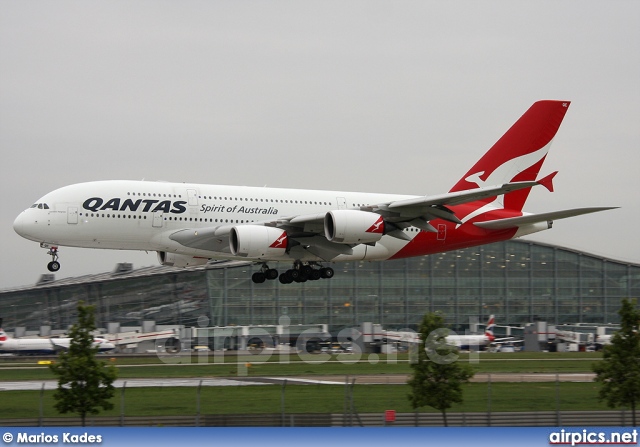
(377, 227)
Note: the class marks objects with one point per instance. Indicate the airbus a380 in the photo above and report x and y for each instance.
(190, 224)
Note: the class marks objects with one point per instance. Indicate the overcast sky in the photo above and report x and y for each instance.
(377, 96)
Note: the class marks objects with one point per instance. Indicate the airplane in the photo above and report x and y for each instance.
(191, 224)
(466, 341)
(44, 346)
(469, 341)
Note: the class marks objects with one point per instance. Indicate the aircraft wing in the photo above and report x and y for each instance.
(507, 340)
(422, 208)
(514, 222)
(457, 198)
(57, 347)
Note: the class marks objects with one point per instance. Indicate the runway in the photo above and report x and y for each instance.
(380, 379)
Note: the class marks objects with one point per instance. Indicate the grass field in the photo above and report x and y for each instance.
(315, 398)
(318, 399)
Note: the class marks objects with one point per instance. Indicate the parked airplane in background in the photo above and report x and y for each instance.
(43, 346)
(189, 224)
(467, 341)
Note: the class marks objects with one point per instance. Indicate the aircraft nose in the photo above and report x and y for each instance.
(20, 225)
(26, 226)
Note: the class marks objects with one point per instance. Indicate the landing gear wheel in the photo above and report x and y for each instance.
(258, 277)
(271, 274)
(53, 266)
(302, 272)
(285, 278)
(326, 272)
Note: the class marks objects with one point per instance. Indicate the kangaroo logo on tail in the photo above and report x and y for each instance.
(516, 157)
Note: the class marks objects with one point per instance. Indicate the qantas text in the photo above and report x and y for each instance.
(145, 205)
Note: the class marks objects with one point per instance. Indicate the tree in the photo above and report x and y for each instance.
(619, 370)
(437, 375)
(85, 383)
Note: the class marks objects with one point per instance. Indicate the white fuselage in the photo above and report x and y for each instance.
(44, 346)
(140, 215)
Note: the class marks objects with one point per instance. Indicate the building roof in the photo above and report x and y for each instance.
(126, 270)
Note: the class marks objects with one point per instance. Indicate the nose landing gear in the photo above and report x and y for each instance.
(54, 265)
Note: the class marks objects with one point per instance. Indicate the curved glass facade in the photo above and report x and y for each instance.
(518, 281)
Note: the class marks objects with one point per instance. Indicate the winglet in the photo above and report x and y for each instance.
(547, 182)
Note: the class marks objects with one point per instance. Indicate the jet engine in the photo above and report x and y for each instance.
(176, 260)
(172, 345)
(253, 241)
(353, 227)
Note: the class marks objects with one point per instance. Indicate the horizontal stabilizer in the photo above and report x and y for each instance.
(547, 182)
(515, 222)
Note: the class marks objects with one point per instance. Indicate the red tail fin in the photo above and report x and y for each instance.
(488, 332)
(519, 154)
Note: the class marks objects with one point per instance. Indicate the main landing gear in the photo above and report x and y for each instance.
(305, 272)
(299, 273)
(264, 274)
(54, 265)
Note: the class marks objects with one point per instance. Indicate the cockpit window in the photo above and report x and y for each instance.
(45, 206)
(40, 206)
(35, 205)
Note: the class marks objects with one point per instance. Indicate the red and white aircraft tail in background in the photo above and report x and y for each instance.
(470, 341)
(189, 224)
(466, 341)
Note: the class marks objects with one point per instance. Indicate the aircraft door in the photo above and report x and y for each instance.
(192, 194)
(342, 203)
(72, 215)
(157, 219)
(442, 232)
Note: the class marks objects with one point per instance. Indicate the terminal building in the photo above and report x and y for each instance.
(518, 281)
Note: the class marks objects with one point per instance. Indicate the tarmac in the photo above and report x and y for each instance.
(374, 379)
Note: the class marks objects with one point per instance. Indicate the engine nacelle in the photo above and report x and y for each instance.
(353, 227)
(177, 260)
(255, 241)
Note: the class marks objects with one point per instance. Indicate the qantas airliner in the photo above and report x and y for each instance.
(190, 224)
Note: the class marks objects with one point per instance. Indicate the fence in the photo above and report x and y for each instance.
(324, 402)
(511, 419)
